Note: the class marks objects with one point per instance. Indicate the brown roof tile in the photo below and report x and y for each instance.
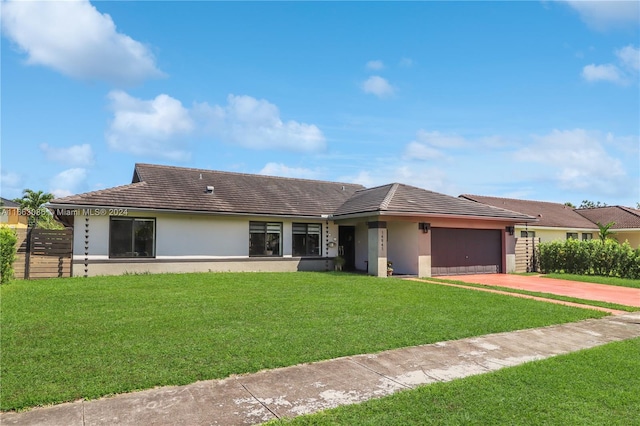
(401, 198)
(553, 215)
(623, 217)
(177, 188)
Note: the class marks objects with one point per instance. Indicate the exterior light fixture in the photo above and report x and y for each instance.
(511, 230)
(424, 226)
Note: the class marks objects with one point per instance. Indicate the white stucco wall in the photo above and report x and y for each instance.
(362, 244)
(403, 247)
(193, 237)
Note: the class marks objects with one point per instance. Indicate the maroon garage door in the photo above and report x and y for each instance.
(465, 251)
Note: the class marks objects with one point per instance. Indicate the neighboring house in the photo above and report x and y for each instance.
(11, 215)
(558, 222)
(555, 221)
(626, 221)
(172, 219)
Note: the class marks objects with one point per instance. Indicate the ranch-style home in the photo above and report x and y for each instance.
(558, 222)
(173, 219)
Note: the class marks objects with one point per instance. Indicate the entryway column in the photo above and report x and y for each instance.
(377, 245)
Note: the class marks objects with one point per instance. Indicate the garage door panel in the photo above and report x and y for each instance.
(465, 251)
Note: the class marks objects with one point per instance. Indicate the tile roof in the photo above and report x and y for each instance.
(184, 189)
(623, 217)
(401, 198)
(178, 188)
(553, 215)
(9, 203)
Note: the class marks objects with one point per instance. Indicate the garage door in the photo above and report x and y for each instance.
(465, 251)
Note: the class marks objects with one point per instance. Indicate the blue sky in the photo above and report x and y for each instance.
(533, 100)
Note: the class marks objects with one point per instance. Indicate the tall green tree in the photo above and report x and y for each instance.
(605, 231)
(32, 202)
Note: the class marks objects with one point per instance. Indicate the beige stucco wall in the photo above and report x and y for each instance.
(633, 237)
(402, 247)
(548, 235)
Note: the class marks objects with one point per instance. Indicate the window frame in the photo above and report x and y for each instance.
(306, 236)
(132, 219)
(265, 234)
(527, 234)
(572, 235)
(586, 236)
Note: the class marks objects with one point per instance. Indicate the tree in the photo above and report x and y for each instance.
(586, 204)
(32, 202)
(569, 204)
(604, 231)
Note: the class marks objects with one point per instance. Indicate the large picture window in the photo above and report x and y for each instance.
(306, 239)
(265, 239)
(132, 237)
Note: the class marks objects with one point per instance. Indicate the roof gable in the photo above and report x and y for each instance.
(9, 204)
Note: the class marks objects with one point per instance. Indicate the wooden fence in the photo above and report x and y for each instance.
(44, 253)
(526, 260)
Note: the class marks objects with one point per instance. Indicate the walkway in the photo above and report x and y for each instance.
(601, 292)
(307, 388)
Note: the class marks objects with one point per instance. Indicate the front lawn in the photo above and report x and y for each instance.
(598, 386)
(64, 339)
(622, 282)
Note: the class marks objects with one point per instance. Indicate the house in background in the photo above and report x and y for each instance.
(557, 222)
(172, 219)
(11, 215)
(626, 221)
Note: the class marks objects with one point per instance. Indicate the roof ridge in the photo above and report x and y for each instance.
(199, 170)
(511, 199)
(387, 199)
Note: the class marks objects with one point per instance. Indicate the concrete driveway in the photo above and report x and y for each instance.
(601, 292)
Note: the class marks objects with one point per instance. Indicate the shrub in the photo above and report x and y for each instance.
(606, 258)
(8, 241)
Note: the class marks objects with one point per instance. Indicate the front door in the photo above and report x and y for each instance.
(347, 246)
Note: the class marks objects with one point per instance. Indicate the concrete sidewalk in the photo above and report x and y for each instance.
(307, 388)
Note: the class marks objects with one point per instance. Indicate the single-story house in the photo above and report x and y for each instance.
(11, 215)
(557, 222)
(173, 219)
(626, 222)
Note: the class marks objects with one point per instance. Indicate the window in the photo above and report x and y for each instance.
(587, 236)
(572, 235)
(306, 239)
(265, 238)
(527, 234)
(132, 237)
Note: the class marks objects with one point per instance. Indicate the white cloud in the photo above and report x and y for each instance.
(602, 15)
(624, 73)
(406, 62)
(375, 65)
(68, 182)
(430, 145)
(606, 72)
(155, 127)
(577, 160)
(75, 39)
(629, 57)
(279, 169)
(378, 86)
(433, 179)
(76, 155)
(10, 184)
(256, 123)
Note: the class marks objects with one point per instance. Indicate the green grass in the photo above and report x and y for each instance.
(64, 339)
(592, 387)
(552, 296)
(621, 282)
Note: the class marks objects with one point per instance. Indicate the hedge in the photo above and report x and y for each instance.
(590, 257)
(8, 241)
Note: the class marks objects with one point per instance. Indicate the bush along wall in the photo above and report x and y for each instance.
(592, 257)
(8, 241)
